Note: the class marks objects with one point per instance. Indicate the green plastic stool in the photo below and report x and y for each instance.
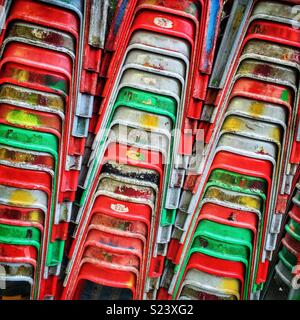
(20, 235)
(291, 230)
(146, 101)
(240, 182)
(287, 258)
(223, 242)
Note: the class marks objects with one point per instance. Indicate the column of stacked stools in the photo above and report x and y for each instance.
(253, 153)
(288, 264)
(38, 153)
(125, 222)
(284, 278)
